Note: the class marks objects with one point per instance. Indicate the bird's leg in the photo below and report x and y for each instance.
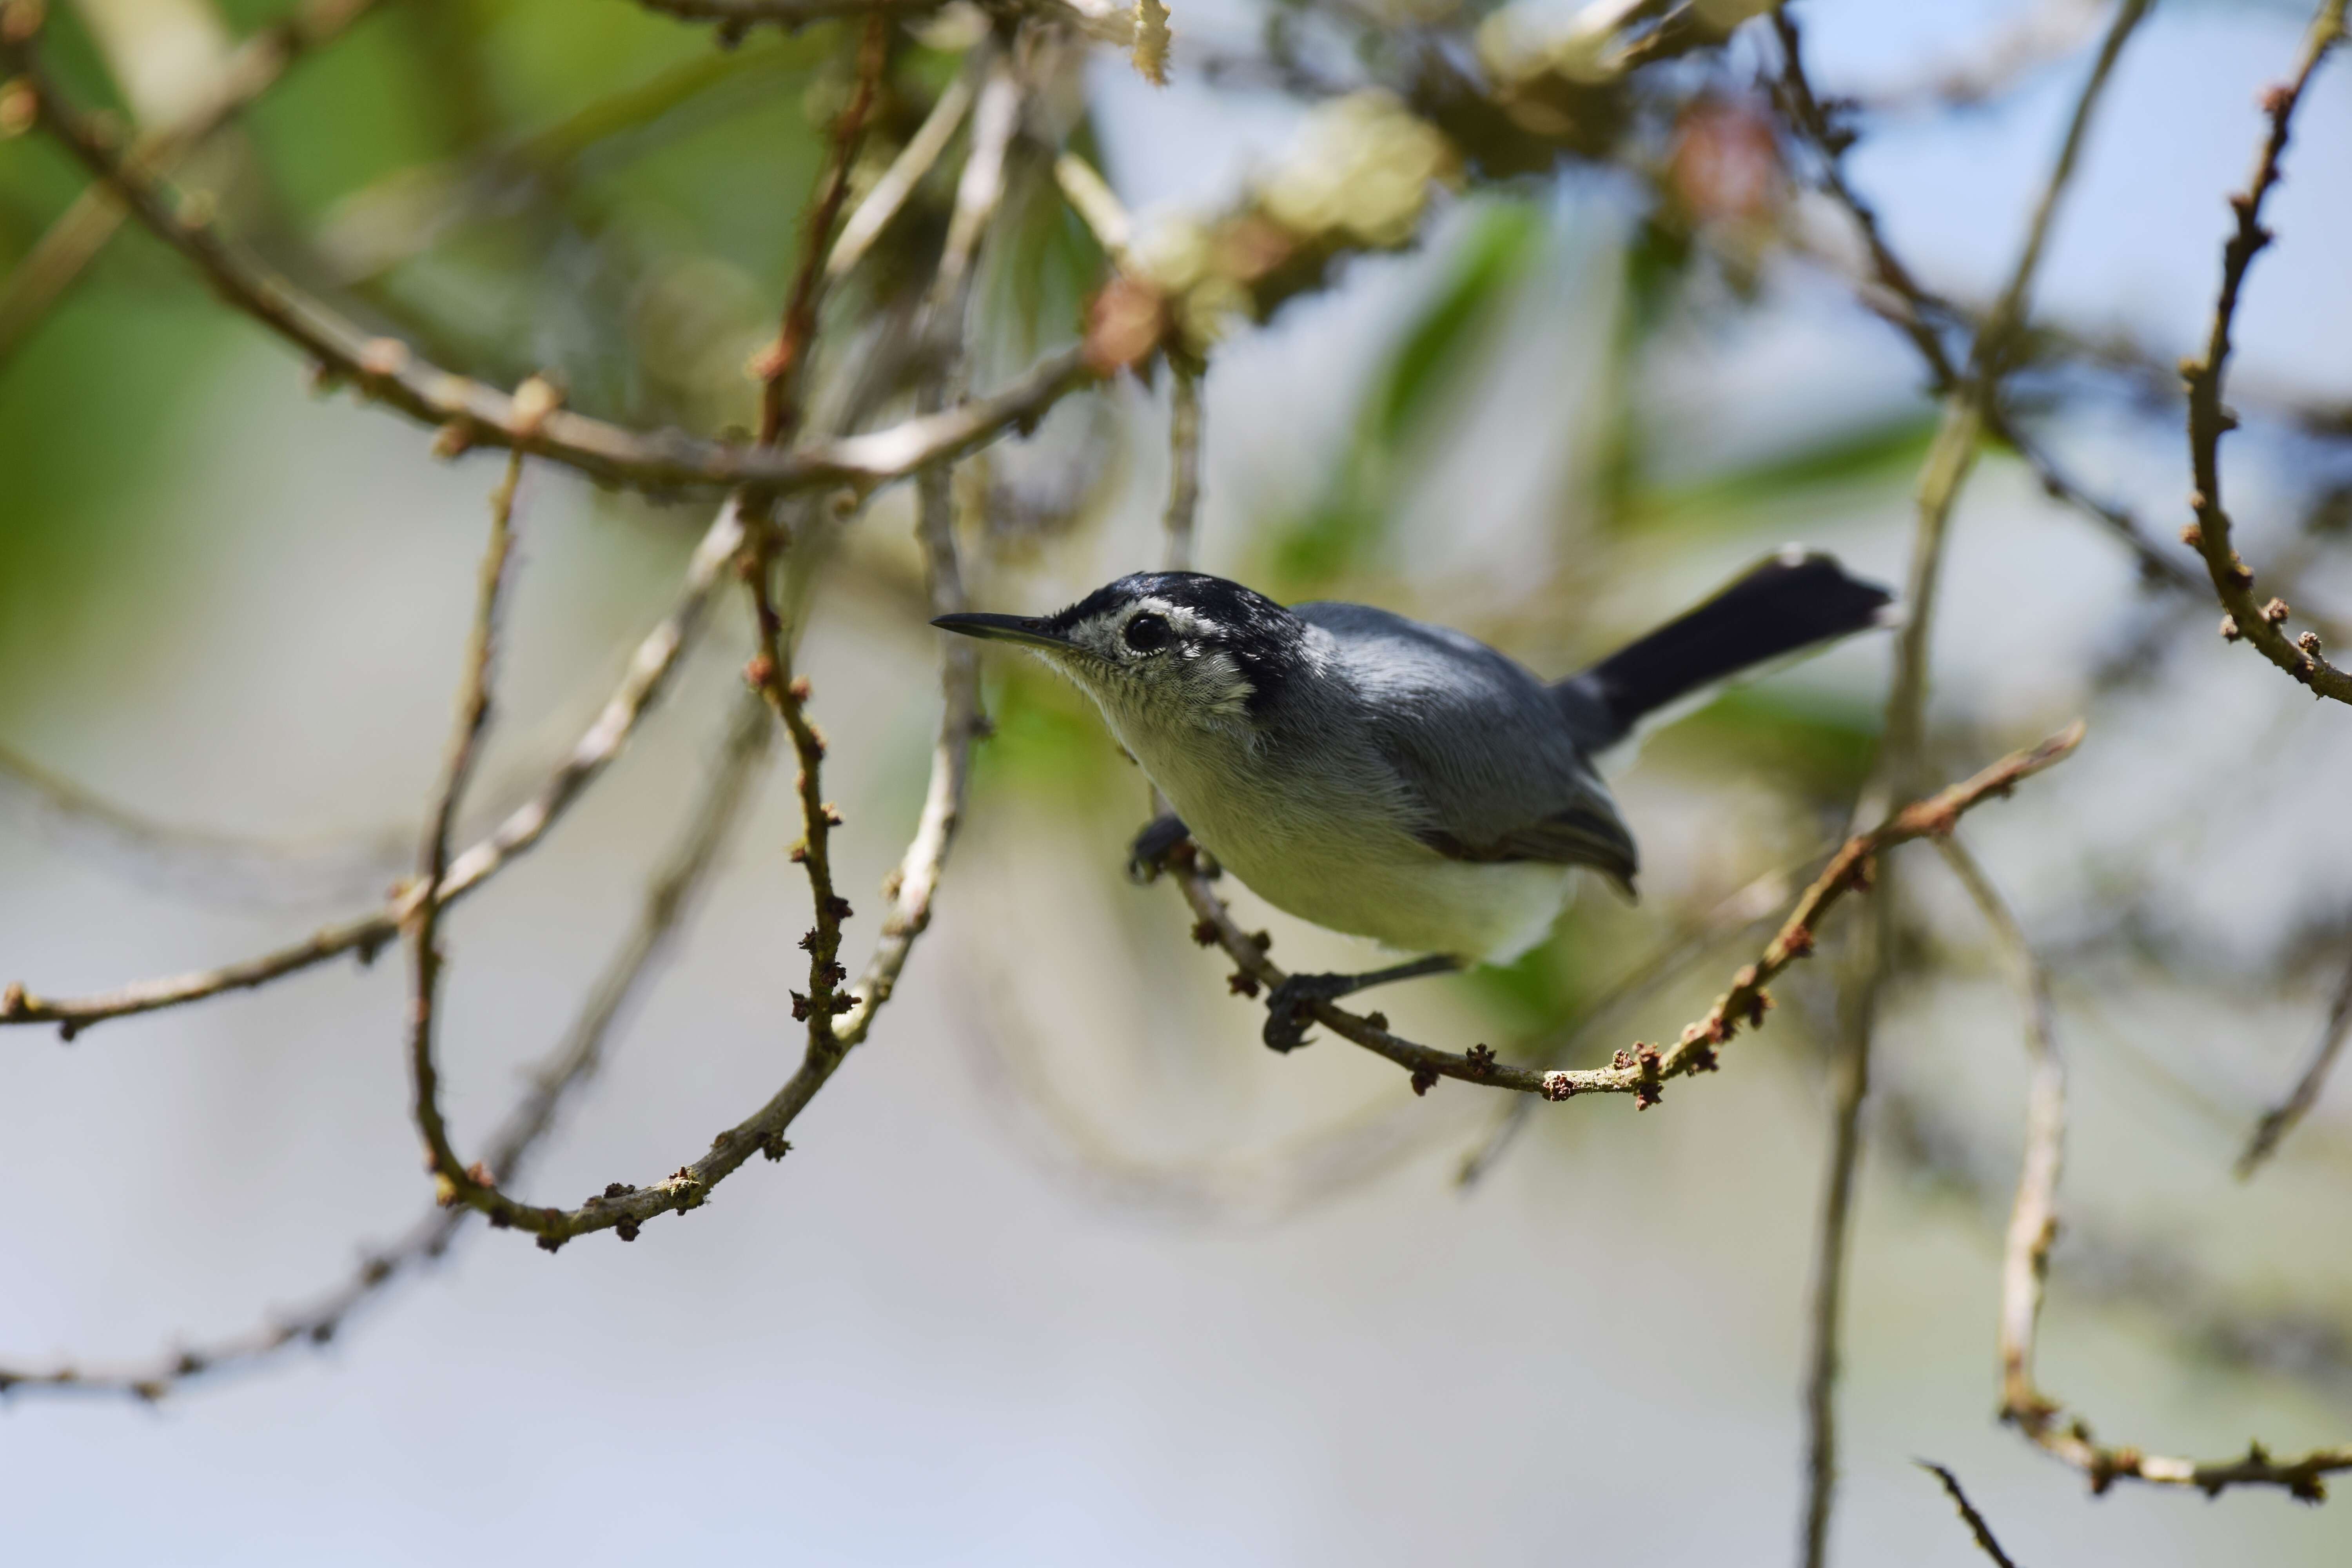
(1287, 1015)
(1148, 856)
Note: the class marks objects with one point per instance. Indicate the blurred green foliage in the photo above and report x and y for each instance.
(1419, 384)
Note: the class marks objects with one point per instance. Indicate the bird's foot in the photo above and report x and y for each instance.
(1150, 854)
(1289, 1010)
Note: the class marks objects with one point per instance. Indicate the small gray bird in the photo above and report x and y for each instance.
(1388, 778)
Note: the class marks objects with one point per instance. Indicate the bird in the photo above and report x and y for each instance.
(1388, 778)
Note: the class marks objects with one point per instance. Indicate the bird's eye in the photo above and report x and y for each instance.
(1147, 633)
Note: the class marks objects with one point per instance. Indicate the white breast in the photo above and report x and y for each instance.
(1306, 851)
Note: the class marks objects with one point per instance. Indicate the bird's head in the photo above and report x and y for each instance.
(1162, 648)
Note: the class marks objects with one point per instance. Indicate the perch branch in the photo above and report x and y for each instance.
(1747, 908)
(1641, 1071)
(2262, 624)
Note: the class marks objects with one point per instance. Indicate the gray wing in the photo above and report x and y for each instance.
(1479, 744)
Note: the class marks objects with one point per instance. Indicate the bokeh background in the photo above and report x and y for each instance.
(1063, 1268)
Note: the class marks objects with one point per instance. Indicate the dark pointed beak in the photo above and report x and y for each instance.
(1028, 630)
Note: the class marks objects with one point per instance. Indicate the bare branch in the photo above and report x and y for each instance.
(647, 675)
(2262, 624)
(1971, 403)
(70, 244)
(1641, 1071)
(1920, 310)
(2277, 1122)
(1922, 316)
(669, 900)
(906, 172)
(1183, 466)
(2033, 1230)
(1749, 907)
(472, 413)
(1097, 205)
(1968, 1514)
(623, 1208)
(219, 867)
(1867, 962)
(785, 366)
(465, 746)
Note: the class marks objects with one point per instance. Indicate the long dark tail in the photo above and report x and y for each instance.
(1790, 602)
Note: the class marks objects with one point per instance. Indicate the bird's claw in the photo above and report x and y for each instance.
(1289, 1007)
(1149, 855)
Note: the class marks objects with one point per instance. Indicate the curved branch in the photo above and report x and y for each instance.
(464, 747)
(474, 413)
(2281, 1119)
(2034, 1229)
(669, 900)
(623, 1208)
(70, 244)
(647, 675)
(1641, 1071)
(2259, 624)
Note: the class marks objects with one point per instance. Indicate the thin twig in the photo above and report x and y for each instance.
(472, 413)
(906, 172)
(1642, 1071)
(208, 864)
(69, 246)
(2026, 1265)
(465, 746)
(1968, 1514)
(2261, 624)
(1870, 945)
(647, 677)
(1814, 121)
(669, 900)
(1097, 205)
(1183, 465)
(1922, 316)
(1971, 403)
(1751, 906)
(769, 673)
(2064, 487)
(623, 1208)
(2278, 1122)
(785, 366)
